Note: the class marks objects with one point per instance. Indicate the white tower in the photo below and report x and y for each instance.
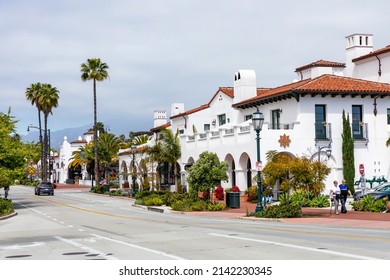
(160, 118)
(244, 85)
(357, 45)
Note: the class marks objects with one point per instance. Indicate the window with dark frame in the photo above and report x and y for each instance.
(221, 119)
(320, 121)
(357, 118)
(275, 116)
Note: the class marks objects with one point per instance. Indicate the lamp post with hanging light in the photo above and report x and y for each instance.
(258, 121)
(133, 150)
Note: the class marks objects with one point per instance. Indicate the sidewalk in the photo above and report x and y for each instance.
(319, 216)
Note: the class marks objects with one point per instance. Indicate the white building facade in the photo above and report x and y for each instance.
(302, 118)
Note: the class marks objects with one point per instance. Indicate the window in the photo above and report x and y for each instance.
(388, 115)
(357, 118)
(275, 116)
(221, 119)
(320, 121)
(206, 127)
(247, 117)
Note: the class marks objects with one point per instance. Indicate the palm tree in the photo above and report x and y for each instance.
(171, 150)
(108, 148)
(155, 156)
(94, 70)
(48, 99)
(33, 94)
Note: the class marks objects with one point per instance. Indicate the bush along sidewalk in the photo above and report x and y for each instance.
(6, 207)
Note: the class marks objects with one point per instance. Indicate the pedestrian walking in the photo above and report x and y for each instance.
(335, 197)
(6, 190)
(344, 191)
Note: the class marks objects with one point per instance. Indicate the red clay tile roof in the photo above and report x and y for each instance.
(322, 63)
(88, 132)
(375, 53)
(158, 128)
(200, 108)
(79, 142)
(229, 91)
(325, 84)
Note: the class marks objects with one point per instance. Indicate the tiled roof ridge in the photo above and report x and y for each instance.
(374, 53)
(321, 62)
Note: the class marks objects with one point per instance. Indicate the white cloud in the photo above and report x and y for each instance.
(161, 52)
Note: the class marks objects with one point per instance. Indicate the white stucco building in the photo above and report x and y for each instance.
(61, 170)
(301, 118)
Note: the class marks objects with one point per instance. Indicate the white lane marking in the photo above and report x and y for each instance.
(140, 247)
(86, 248)
(17, 246)
(324, 251)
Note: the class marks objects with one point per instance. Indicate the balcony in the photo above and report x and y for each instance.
(360, 131)
(323, 131)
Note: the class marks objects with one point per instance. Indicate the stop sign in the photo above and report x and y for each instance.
(361, 169)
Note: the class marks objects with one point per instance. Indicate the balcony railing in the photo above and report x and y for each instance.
(280, 126)
(323, 131)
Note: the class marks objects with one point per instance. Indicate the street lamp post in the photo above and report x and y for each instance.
(257, 121)
(47, 153)
(328, 151)
(133, 149)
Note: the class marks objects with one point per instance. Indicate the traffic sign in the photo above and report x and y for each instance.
(361, 169)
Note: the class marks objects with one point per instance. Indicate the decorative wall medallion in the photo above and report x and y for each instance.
(284, 141)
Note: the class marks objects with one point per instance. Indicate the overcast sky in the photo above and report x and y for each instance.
(161, 52)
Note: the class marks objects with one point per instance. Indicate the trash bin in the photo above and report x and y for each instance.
(233, 199)
(106, 188)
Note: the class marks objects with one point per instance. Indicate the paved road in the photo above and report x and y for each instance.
(77, 225)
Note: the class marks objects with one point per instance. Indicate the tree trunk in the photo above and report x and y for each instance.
(41, 142)
(45, 146)
(95, 135)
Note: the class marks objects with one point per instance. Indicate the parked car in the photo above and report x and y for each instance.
(359, 193)
(44, 187)
(381, 191)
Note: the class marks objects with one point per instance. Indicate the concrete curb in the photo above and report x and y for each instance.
(4, 217)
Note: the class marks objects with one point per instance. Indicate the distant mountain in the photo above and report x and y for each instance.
(57, 137)
(117, 127)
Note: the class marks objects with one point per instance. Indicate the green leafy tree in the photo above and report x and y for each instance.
(96, 70)
(171, 150)
(348, 153)
(294, 173)
(12, 153)
(207, 172)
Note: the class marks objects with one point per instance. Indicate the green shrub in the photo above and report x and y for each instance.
(199, 205)
(369, 204)
(252, 193)
(170, 197)
(153, 200)
(184, 205)
(116, 192)
(216, 206)
(285, 198)
(300, 198)
(280, 211)
(98, 189)
(320, 201)
(6, 206)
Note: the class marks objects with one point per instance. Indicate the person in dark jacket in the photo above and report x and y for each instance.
(344, 191)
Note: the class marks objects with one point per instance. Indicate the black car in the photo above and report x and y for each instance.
(44, 187)
(381, 191)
